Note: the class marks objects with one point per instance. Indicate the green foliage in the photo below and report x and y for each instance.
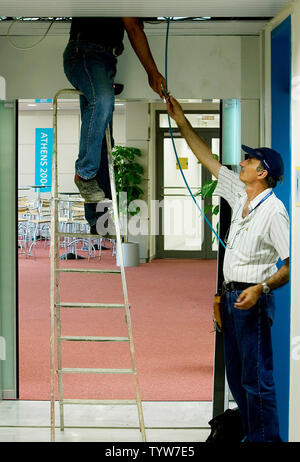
(128, 173)
(206, 191)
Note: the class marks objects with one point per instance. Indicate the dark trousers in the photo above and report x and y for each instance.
(91, 69)
(249, 366)
(103, 180)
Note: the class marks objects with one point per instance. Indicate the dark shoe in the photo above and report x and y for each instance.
(226, 427)
(89, 189)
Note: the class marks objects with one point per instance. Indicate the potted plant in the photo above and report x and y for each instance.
(128, 178)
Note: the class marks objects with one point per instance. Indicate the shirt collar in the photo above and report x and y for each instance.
(257, 199)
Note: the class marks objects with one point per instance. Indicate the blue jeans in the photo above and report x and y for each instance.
(249, 366)
(103, 180)
(90, 68)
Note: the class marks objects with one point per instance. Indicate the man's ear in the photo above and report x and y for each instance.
(262, 174)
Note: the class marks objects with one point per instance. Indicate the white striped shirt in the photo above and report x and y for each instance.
(257, 241)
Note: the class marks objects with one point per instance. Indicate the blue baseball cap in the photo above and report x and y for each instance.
(270, 159)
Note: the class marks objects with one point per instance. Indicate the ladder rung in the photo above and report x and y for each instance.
(84, 270)
(85, 236)
(99, 401)
(84, 370)
(89, 305)
(82, 338)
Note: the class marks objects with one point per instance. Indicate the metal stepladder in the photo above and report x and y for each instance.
(56, 305)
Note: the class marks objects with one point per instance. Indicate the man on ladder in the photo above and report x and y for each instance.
(90, 60)
(90, 65)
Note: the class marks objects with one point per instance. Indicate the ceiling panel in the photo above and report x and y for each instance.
(142, 8)
(26, 28)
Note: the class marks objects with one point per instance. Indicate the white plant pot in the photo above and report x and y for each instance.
(131, 254)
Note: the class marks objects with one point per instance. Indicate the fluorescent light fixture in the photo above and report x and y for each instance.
(185, 18)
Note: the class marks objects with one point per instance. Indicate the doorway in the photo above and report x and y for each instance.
(182, 233)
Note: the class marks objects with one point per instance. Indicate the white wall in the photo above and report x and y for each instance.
(295, 287)
(210, 69)
(198, 67)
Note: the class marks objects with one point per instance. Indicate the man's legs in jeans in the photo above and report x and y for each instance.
(249, 368)
(103, 180)
(91, 70)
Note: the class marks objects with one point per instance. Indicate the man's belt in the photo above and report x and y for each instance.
(116, 50)
(234, 286)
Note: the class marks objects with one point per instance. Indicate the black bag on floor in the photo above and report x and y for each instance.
(226, 427)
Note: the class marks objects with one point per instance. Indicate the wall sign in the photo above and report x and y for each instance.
(43, 157)
(184, 163)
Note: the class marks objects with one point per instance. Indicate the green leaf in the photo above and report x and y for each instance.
(208, 188)
(215, 210)
(207, 209)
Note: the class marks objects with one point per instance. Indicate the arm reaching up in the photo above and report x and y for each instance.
(197, 145)
(141, 47)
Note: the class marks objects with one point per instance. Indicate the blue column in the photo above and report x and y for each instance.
(281, 141)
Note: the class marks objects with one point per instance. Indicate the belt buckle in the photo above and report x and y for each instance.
(230, 286)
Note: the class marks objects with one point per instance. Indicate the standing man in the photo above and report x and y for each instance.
(90, 61)
(258, 236)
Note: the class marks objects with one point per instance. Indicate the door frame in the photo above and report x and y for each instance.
(161, 133)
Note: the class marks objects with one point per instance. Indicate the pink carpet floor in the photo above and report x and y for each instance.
(171, 310)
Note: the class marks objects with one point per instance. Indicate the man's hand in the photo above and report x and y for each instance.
(157, 82)
(248, 297)
(175, 110)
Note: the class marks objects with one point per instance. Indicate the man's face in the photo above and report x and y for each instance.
(249, 173)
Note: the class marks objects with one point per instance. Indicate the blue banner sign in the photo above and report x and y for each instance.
(43, 100)
(43, 157)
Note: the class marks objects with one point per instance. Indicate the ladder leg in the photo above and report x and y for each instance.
(59, 367)
(124, 286)
(54, 265)
(53, 250)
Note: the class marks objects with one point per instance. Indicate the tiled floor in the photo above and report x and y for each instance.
(29, 421)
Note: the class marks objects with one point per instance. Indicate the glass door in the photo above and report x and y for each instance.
(182, 230)
(8, 274)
